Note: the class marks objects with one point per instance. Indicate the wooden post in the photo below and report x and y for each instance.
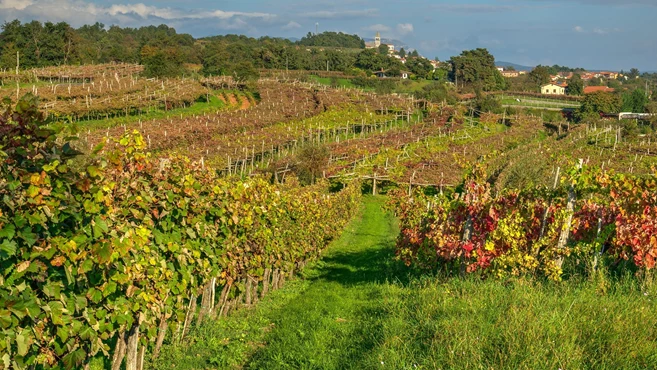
(119, 351)
(265, 282)
(191, 310)
(374, 184)
(161, 334)
(545, 214)
(565, 230)
(132, 359)
(467, 234)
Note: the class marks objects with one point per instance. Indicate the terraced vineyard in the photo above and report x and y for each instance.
(185, 200)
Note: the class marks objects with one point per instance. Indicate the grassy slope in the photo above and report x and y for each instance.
(198, 108)
(358, 309)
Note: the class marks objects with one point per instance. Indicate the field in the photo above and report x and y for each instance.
(535, 102)
(201, 223)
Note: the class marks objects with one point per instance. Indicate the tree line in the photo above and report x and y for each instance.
(164, 52)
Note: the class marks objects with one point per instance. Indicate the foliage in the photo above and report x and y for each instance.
(484, 103)
(333, 39)
(477, 67)
(575, 85)
(419, 66)
(540, 76)
(167, 62)
(599, 102)
(426, 321)
(51, 44)
(372, 60)
(517, 232)
(635, 101)
(311, 162)
(92, 249)
(437, 92)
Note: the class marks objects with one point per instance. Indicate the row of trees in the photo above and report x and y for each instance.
(48, 44)
(164, 52)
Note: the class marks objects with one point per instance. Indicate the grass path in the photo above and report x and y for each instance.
(330, 319)
(360, 309)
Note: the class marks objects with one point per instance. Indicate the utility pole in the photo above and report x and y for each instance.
(18, 60)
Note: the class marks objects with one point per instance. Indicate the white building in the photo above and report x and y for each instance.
(552, 89)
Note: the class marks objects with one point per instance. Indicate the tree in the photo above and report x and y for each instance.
(414, 54)
(402, 53)
(540, 76)
(477, 67)
(419, 67)
(635, 101)
(634, 73)
(383, 49)
(311, 163)
(575, 85)
(333, 39)
(157, 62)
(486, 103)
(599, 102)
(244, 70)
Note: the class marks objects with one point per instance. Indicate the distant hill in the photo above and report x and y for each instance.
(517, 67)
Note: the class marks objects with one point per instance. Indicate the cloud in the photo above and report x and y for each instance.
(291, 25)
(476, 8)
(377, 28)
(597, 30)
(404, 28)
(15, 4)
(341, 14)
(78, 12)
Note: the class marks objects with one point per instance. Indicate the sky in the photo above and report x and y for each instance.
(593, 34)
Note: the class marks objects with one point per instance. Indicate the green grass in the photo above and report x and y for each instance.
(340, 82)
(412, 86)
(198, 108)
(536, 102)
(359, 309)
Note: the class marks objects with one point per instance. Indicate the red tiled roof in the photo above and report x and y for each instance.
(592, 89)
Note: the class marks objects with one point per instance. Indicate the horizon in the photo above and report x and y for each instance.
(513, 31)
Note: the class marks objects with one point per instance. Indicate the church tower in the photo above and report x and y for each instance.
(377, 40)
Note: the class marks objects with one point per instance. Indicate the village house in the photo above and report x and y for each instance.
(554, 89)
(592, 89)
(511, 74)
(404, 75)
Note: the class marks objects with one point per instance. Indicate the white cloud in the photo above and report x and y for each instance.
(404, 28)
(476, 8)
(597, 31)
(377, 28)
(15, 4)
(328, 14)
(79, 12)
(291, 25)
